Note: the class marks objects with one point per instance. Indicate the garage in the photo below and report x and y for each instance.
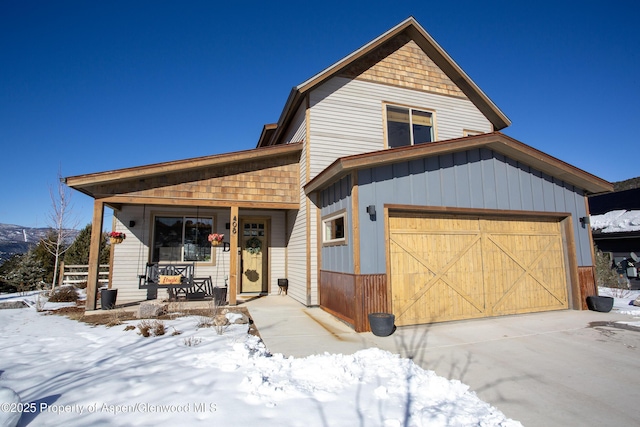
(453, 267)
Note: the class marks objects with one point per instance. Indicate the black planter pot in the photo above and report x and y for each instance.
(220, 296)
(600, 303)
(108, 298)
(382, 324)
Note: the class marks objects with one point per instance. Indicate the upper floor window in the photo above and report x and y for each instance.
(408, 126)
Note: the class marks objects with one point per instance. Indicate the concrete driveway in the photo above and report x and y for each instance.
(556, 368)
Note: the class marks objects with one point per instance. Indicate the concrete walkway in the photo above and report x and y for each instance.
(542, 369)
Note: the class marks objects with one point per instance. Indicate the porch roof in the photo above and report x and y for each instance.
(495, 141)
(93, 184)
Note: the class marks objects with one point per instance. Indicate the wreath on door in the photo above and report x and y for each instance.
(254, 246)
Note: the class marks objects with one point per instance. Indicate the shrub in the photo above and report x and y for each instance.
(145, 328)
(148, 328)
(64, 294)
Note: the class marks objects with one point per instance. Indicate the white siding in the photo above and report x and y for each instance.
(131, 256)
(297, 256)
(297, 130)
(346, 117)
(297, 245)
(278, 250)
(313, 243)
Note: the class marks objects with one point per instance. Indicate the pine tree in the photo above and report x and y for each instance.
(78, 252)
(28, 273)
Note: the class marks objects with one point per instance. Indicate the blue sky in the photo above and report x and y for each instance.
(93, 86)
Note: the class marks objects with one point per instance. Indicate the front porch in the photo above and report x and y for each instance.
(167, 211)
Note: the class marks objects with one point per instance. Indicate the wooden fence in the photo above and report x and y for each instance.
(77, 275)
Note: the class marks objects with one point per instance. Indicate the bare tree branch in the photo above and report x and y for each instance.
(62, 225)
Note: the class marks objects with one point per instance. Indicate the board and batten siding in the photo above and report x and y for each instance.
(478, 178)
(346, 117)
(336, 197)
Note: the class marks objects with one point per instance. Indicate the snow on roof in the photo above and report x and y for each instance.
(619, 221)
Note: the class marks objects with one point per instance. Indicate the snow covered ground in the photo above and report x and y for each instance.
(622, 303)
(69, 373)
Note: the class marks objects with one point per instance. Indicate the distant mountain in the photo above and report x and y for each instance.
(628, 184)
(16, 239)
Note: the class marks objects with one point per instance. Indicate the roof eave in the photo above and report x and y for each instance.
(498, 119)
(495, 141)
(78, 182)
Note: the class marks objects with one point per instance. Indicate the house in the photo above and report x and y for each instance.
(615, 225)
(385, 185)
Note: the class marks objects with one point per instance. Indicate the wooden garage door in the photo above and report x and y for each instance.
(450, 268)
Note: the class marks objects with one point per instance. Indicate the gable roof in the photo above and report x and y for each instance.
(411, 28)
(495, 141)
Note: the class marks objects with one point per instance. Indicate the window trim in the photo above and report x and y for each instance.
(385, 127)
(343, 241)
(207, 215)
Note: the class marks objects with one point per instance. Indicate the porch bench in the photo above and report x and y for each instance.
(176, 278)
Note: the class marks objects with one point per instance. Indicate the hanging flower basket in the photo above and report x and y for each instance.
(116, 237)
(253, 246)
(215, 239)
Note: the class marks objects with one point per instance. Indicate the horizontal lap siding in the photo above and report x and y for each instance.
(297, 131)
(347, 117)
(131, 256)
(277, 250)
(296, 256)
(297, 245)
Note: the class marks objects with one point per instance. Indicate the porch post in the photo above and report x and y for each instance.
(233, 256)
(94, 254)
